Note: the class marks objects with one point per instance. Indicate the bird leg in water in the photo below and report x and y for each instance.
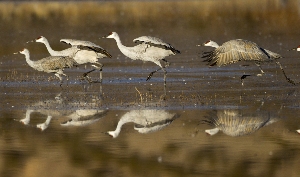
(97, 66)
(262, 72)
(161, 68)
(57, 74)
(288, 79)
(85, 76)
(165, 83)
(151, 74)
(243, 77)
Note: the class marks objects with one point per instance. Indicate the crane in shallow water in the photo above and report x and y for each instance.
(51, 64)
(83, 52)
(240, 50)
(150, 49)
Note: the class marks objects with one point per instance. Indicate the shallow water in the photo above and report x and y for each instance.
(123, 127)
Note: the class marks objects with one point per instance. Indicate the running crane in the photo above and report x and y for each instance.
(51, 64)
(240, 50)
(150, 49)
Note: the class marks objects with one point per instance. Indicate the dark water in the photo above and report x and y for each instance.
(122, 127)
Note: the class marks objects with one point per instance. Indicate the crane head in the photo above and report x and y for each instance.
(111, 35)
(24, 51)
(40, 39)
(209, 43)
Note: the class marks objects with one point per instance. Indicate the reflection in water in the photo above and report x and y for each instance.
(84, 117)
(58, 107)
(234, 123)
(146, 121)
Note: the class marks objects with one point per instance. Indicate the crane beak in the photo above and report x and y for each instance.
(292, 49)
(200, 44)
(29, 41)
(105, 36)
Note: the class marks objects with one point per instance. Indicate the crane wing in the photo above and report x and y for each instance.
(96, 49)
(154, 41)
(74, 42)
(238, 50)
(86, 45)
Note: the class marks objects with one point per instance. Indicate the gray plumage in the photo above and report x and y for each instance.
(239, 50)
(52, 64)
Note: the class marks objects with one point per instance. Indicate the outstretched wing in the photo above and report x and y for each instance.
(238, 50)
(75, 42)
(155, 42)
(86, 45)
(96, 49)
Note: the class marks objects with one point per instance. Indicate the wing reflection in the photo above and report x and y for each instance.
(235, 123)
(146, 121)
(76, 111)
(84, 117)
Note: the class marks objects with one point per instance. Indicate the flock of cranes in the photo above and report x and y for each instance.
(148, 49)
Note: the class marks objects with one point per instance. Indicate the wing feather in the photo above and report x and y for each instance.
(238, 50)
(86, 45)
(154, 41)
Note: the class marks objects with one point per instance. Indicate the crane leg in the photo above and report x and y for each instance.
(288, 79)
(165, 83)
(60, 78)
(85, 75)
(262, 72)
(151, 74)
(97, 66)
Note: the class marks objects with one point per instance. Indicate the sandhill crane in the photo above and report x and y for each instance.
(233, 123)
(150, 49)
(298, 131)
(146, 121)
(240, 50)
(83, 52)
(52, 64)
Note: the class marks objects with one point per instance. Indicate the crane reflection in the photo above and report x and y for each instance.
(237, 123)
(146, 121)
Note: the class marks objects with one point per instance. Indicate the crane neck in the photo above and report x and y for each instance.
(50, 50)
(125, 119)
(27, 57)
(214, 44)
(119, 43)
